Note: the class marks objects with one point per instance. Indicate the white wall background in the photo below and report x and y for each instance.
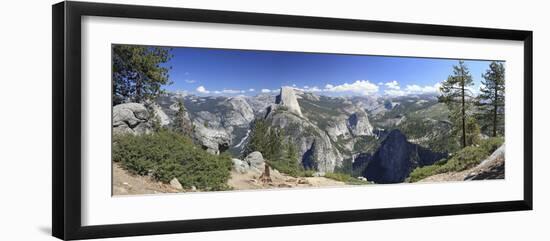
(25, 120)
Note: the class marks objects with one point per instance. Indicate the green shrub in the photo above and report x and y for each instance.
(342, 177)
(166, 155)
(466, 158)
(492, 144)
(422, 172)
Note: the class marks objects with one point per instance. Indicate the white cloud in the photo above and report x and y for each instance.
(251, 90)
(312, 89)
(428, 89)
(395, 92)
(363, 87)
(190, 81)
(394, 89)
(229, 91)
(392, 85)
(266, 90)
(380, 83)
(202, 90)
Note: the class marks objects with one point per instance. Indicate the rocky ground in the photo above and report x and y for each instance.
(251, 180)
(125, 183)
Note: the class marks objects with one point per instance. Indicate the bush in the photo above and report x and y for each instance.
(466, 158)
(492, 144)
(342, 177)
(166, 155)
(423, 172)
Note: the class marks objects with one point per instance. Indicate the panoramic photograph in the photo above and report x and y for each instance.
(188, 119)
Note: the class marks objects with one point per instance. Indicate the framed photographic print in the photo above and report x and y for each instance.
(169, 120)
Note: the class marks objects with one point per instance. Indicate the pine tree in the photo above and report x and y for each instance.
(456, 94)
(291, 155)
(182, 123)
(258, 138)
(491, 98)
(138, 73)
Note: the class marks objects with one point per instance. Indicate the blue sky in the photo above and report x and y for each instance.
(235, 72)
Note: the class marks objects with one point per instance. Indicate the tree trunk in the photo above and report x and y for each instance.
(463, 114)
(495, 121)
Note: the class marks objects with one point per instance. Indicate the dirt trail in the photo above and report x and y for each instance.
(125, 183)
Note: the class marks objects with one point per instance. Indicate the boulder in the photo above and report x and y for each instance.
(240, 166)
(255, 160)
(174, 183)
(131, 118)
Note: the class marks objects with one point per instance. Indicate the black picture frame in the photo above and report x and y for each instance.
(66, 127)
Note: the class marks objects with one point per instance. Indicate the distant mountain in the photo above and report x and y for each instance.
(396, 158)
(327, 131)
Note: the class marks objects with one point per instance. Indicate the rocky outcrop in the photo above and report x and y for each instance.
(239, 112)
(396, 158)
(162, 117)
(288, 99)
(338, 128)
(359, 124)
(314, 145)
(211, 139)
(131, 118)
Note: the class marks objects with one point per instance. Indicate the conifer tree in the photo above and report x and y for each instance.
(138, 73)
(182, 123)
(491, 98)
(456, 94)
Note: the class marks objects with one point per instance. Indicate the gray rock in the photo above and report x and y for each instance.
(287, 98)
(314, 146)
(255, 160)
(213, 140)
(240, 114)
(240, 166)
(131, 118)
(260, 102)
(359, 124)
(174, 183)
(160, 115)
(338, 128)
